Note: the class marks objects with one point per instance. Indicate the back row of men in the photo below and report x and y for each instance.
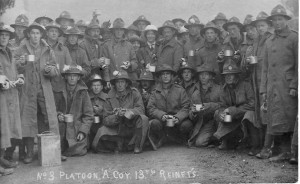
(224, 84)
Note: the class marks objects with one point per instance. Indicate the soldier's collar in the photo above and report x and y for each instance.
(284, 33)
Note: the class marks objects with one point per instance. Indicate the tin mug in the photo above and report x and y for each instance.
(170, 122)
(30, 58)
(228, 53)
(253, 60)
(199, 107)
(152, 68)
(2, 79)
(96, 119)
(227, 118)
(191, 53)
(69, 118)
(128, 114)
(107, 61)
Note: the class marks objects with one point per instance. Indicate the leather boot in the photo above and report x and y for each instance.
(29, 143)
(138, 140)
(9, 153)
(22, 152)
(223, 145)
(4, 172)
(5, 163)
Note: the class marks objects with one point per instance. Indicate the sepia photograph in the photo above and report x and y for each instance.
(148, 91)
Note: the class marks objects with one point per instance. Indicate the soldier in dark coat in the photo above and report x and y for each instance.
(146, 86)
(125, 124)
(74, 100)
(168, 102)
(187, 74)
(219, 21)
(279, 82)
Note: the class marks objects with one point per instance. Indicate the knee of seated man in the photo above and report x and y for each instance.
(186, 126)
(155, 124)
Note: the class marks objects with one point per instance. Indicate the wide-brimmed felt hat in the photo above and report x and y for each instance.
(93, 25)
(74, 30)
(54, 25)
(38, 20)
(64, 15)
(167, 24)
(186, 65)
(35, 25)
(141, 18)
(279, 10)
(193, 21)
(118, 24)
(233, 21)
(205, 68)
(146, 76)
(220, 16)
(9, 29)
(248, 21)
(95, 78)
(262, 16)
(230, 67)
(120, 75)
(179, 20)
(210, 25)
(72, 69)
(81, 23)
(163, 68)
(21, 20)
(133, 28)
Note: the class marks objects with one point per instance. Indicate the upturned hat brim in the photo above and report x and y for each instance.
(57, 20)
(15, 25)
(137, 21)
(225, 26)
(40, 18)
(284, 15)
(231, 72)
(162, 28)
(12, 35)
(43, 31)
(202, 32)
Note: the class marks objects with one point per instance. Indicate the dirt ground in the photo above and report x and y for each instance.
(170, 164)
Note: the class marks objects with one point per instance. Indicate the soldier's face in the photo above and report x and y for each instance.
(97, 87)
(219, 24)
(82, 28)
(19, 30)
(131, 33)
(187, 75)
(178, 24)
(279, 22)
(136, 45)
(44, 22)
(121, 85)
(251, 32)
(145, 84)
(150, 36)
(35, 36)
(168, 33)
(262, 27)
(230, 78)
(205, 77)
(72, 79)
(166, 77)
(194, 30)
(141, 25)
(53, 33)
(234, 31)
(94, 33)
(72, 39)
(119, 33)
(210, 35)
(65, 22)
(4, 38)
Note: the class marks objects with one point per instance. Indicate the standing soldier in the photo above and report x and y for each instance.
(279, 82)
(196, 41)
(209, 52)
(263, 28)
(44, 20)
(168, 102)
(178, 22)
(219, 21)
(124, 122)
(183, 35)
(137, 44)
(20, 25)
(207, 95)
(74, 100)
(169, 51)
(93, 47)
(120, 52)
(37, 103)
(141, 22)
(64, 20)
(10, 121)
(81, 26)
(78, 55)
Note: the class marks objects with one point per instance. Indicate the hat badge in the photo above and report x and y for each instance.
(142, 17)
(192, 21)
(116, 73)
(184, 63)
(22, 20)
(279, 11)
(230, 67)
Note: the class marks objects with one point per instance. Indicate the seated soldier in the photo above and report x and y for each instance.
(124, 121)
(98, 99)
(207, 96)
(187, 75)
(237, 111)
(75, 112)
(146, 86)
(168, 103)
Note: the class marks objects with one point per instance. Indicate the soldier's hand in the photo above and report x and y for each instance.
(222, 116)
(80, 136)
(293, 92)
(20, 81)
(48, 68)
(264, 97)
(108, 84)
(164, 118)
(12, 84)
(176, 120)
(6, 85)
(21, 60)
(121, 112)
(221, 55)
(60, 117)
(193, 109)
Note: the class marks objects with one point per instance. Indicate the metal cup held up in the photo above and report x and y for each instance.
(152, 68)
(199, 107)
(30, 58)
(170, 122)
(228, 53)
(227, 118)
(2, 79)
(129, 114)
(96, 119)
(107, 61)
(191, 53)
(68, 118)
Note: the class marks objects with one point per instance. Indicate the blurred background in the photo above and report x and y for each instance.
(157, 11)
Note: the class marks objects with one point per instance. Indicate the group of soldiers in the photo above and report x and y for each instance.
(110, 88)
